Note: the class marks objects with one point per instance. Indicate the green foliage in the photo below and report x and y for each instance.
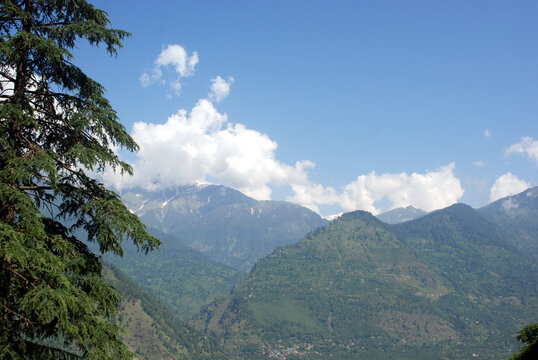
(56, 128)
(528, 335)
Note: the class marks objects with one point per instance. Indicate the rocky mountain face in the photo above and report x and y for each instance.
(222, 223)
(400, 215)
(451, 284)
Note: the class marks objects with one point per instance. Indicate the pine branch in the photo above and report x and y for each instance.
(27, 321)
(27, 282)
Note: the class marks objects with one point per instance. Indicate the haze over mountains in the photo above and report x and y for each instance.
(180, 277)
(454, 282)
(212, 235)
(517, 214)
(221, 222)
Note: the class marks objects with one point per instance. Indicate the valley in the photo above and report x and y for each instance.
(454, 282)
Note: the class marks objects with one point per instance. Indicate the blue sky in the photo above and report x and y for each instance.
(396, 103)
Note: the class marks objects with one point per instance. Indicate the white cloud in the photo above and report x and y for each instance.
(180, 61)
(479, 163)
(189, 147)
(202, 144)
(220, 88)
(309, 194)
(527, 146)
(506, 185)
(487, 133)
(429, 191)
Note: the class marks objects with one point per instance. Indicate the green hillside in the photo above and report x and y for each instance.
(180, 277)
(445, 286)
(153, 332)
(517, 214)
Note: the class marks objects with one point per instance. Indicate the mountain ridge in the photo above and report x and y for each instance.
(517, 214)
(401, 214)
(449, 283)
(221, 222)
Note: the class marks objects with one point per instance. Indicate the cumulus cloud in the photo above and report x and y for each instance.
(527, 146)
(429, 191)
(487, 133)
(479, 163)
(506, 185)
(191, 146)
(220, 88)
(176, 58)
(202, 144)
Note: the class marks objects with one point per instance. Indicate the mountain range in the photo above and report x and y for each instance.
(211, 236)
(454, 284)
(221, 222)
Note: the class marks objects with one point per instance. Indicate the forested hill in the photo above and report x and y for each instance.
(223, 223)
(448, 285)
(180, 277)
(518, 215)
(154, 332)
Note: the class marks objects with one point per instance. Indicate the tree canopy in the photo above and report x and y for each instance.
(57, 130)
(529, 336)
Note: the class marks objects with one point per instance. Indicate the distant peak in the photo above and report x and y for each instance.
(357, 215)
(401, 214)
(201, 185)
(459, 206)
(455, 211)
